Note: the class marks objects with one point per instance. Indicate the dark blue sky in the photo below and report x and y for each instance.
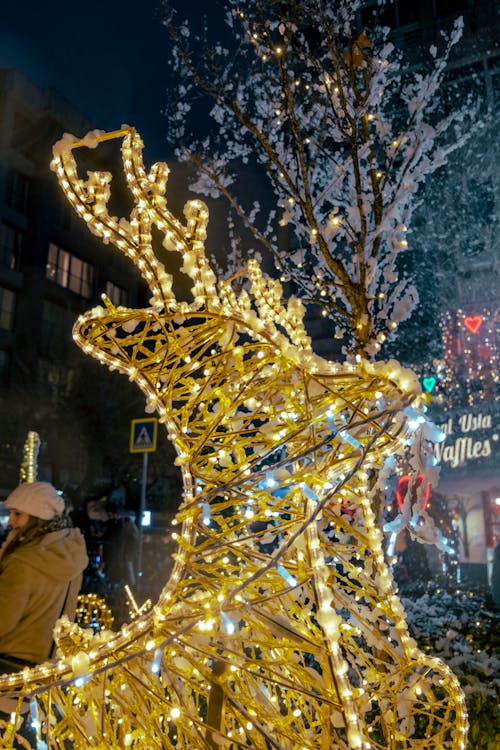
(108, 58)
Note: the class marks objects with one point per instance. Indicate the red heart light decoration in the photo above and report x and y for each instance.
(402, 489)
(473, 323)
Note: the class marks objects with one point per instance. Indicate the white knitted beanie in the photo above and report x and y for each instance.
(39, 499)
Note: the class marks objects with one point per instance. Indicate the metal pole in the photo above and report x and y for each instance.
(141, 512)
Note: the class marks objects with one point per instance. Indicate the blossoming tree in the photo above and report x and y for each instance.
(342, 132)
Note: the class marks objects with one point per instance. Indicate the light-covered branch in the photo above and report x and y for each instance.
(342, 132)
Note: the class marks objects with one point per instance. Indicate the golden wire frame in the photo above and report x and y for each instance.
(280, 626)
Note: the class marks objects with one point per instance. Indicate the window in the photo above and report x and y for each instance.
(69, 271)
(17, 190)
(117, 294)
(11, 244)
(7, 308)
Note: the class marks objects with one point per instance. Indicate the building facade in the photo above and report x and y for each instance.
(51, 270)
(457, 240)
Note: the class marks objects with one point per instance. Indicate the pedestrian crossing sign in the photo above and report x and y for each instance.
(143, 435)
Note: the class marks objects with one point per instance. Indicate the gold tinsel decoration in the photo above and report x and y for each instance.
(280, 627)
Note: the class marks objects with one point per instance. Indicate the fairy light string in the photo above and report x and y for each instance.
(29, 465)
(280, 625)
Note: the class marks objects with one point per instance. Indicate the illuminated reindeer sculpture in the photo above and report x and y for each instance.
(279, 626)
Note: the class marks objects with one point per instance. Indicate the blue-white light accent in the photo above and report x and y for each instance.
(308, 492)
(331, 422)
(229, 625)
(348, 438)
(270, 481)
(282, 492)
(206, 514)
(156, 663)
(415, 419)
(392, 543)
(445, 545)
(287, 577)
(35, 720)
(389, 462)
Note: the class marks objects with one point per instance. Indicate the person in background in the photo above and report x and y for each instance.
(41, 565)
(121, 539)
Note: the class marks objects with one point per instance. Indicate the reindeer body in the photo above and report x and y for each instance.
(280, 626)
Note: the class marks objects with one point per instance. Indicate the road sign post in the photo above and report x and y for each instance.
(143, 433)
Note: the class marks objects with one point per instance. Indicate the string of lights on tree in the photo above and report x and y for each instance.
(315, 103)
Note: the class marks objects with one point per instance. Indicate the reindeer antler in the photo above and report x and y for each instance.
(133, 237)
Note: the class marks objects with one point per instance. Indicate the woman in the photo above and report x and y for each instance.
(41, 566)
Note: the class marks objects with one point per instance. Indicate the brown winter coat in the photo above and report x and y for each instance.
(39, 581)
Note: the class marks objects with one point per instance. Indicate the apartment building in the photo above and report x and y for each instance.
(51, 270)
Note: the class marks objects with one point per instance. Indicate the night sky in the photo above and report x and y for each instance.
(108, 58)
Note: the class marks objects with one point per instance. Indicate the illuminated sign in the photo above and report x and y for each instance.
(470, 436)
